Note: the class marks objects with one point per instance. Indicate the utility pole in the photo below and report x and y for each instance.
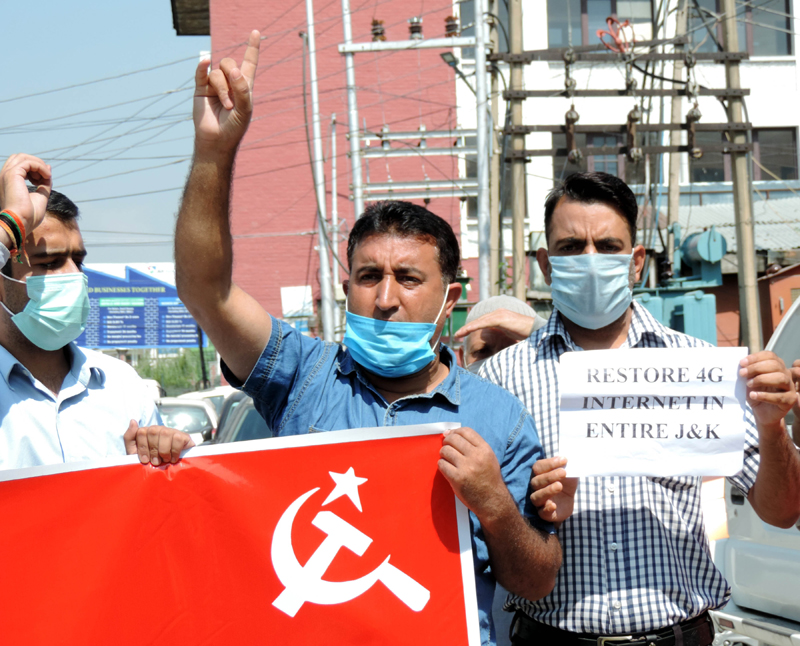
(518, 164)
(742, 198)
(483, 141)
(334, 231)
(496, 166)
(352, 114)
(674, 181)
(327, 303)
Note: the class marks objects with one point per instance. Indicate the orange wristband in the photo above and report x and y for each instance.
(13, 248)
(19, 223)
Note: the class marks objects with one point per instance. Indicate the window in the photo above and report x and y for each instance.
(776, 150)
(467, 14)
(764, 27)
(581, 19)
(773, 148)
(711, 167)
(613, 164)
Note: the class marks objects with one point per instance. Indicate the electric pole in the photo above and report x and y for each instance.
(494, 175)
(742, 199)
(327, 299)
(518, 163)
(483, 139)
(674, 177)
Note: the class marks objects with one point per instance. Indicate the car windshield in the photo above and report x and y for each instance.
(190, 419)
(217, 401)
(253, 427)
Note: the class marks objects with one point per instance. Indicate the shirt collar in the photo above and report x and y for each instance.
(450, 388)
(82, 366)
(642, 323)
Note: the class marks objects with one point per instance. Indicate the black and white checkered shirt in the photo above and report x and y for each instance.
(636, 556)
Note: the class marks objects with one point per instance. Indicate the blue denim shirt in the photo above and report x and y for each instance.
(302, 385)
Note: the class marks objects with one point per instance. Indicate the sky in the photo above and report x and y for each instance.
(104, 138)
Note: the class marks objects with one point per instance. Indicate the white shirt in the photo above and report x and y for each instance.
(636, 557)
(86, 420)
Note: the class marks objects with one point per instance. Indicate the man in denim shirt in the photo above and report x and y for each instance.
(400, 291)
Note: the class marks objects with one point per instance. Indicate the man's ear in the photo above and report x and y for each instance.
(639, 259)
(543, 258)
(453, 294)
(346, 286)
(460, 355)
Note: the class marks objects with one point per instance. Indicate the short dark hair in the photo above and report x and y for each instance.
(590, 188)
(405, 219)
(59, 206)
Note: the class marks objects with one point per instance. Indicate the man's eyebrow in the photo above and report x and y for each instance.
(49, 253)
(570, 239)
(611, 239)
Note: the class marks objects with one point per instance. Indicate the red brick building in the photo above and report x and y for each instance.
(273, 207)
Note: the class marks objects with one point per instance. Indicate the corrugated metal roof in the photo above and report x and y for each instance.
(777, 222)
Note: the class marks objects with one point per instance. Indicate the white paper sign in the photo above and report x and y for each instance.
(652, 412)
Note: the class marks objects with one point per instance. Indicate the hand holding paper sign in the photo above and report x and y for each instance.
(796, 408)
(775, 496)
(770, 388)
(553, 492)
(653, 412)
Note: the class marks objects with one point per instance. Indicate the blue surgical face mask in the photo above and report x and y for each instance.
(592, 290)
(390, 348)
(57, 311)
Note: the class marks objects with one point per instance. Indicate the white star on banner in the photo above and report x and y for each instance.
(346, 485)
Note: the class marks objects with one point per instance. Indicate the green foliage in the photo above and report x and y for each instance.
(179, 374)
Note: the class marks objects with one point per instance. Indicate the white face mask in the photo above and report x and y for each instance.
(592, 290)
(57, 311)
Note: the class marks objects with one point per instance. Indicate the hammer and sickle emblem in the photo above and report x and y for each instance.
(305, 583)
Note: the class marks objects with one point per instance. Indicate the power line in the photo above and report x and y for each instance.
(106, 107)
(126, 172)
(142, 70)
(119, 197)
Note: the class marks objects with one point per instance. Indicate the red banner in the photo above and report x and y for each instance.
(331, 538)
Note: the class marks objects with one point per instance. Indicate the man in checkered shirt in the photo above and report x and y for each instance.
(636, 560)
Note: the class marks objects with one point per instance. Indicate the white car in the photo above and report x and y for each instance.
(216, 396)
(197, 417)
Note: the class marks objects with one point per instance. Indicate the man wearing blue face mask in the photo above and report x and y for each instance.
(636, 563)
(393, 371)
(58, 402)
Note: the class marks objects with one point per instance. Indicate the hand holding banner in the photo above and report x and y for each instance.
(302, 540)
(652, 412)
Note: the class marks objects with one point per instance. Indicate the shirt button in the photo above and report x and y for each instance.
(611, 487)
(617, 605)
(614, 549)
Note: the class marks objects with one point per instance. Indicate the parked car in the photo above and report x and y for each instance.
(155, 389)
(227, 410)
(216, 396)
(197, 417)
(761, 562)
(243, 423)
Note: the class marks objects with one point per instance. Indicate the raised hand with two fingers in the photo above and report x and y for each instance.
(223, 100)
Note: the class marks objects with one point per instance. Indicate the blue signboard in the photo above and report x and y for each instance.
(130, 308)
